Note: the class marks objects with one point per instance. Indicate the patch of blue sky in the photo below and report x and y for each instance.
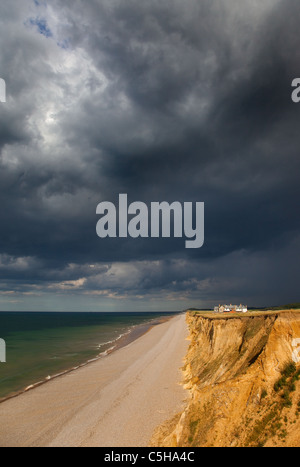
(40, 2)
(42, 26)
(64, 44)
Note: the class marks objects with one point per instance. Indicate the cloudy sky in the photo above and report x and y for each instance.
(165, 101)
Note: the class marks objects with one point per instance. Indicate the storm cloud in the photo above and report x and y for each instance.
(164, 101)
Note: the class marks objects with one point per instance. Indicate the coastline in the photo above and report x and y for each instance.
(243, 377)
(135, 332)
(116, 401)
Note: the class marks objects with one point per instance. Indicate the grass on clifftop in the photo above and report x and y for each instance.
(250, 313)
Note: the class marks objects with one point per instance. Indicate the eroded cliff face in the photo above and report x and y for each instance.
(230, 371)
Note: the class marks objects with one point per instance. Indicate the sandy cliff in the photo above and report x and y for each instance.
(230, 370)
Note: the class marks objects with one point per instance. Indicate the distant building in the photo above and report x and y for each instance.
(231, 308)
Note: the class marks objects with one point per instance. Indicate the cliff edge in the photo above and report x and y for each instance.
(243, 378)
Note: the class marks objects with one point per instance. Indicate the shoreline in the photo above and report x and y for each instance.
(117, 401)
(120, 342)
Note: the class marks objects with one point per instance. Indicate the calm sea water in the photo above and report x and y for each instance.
(39, 345)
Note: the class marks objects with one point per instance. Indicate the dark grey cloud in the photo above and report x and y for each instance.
(164, 101)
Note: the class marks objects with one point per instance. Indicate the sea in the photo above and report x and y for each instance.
(42, 346)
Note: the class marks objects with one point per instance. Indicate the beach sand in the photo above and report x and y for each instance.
(116, 401)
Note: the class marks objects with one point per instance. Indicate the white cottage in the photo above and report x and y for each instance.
(231, 308)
